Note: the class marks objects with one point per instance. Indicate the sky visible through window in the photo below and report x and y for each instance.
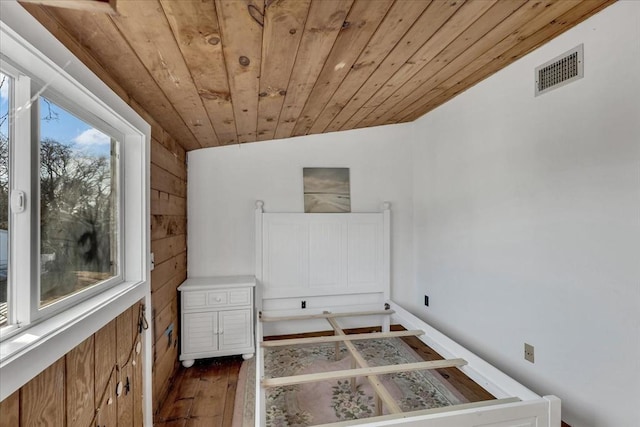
(59, 125)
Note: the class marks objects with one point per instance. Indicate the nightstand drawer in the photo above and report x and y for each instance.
(240, 297)
(217, 299)
(194, 300)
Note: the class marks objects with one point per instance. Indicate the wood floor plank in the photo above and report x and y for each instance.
(323, 24)
(195, 27)
(211, 392)
(387, 35)
(232, 385)
(283, 29)
(362, 21)
(434, 17)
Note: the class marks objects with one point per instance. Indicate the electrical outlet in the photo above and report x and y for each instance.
(303, 304)
(152, 261)
(426, 300)
(528, 353)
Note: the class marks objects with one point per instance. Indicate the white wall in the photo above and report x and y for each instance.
(225, 182)
(527, 222)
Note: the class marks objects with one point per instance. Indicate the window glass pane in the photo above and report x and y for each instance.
(5, 83)
(78, 204)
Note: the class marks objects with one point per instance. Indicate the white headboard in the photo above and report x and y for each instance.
(334, 261)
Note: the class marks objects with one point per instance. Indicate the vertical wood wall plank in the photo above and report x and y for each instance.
(105, 384)
(136, 366)
(42, 400)
(80, 382)
(10, 411)
(123, 346)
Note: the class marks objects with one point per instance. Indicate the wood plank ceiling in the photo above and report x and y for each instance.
(218, 72)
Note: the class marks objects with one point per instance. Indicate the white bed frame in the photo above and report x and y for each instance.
(308, 265)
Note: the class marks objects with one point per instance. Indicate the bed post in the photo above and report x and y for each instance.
(386, 258)
(258, 219)
(260, 416)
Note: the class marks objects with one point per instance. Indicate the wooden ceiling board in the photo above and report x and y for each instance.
(474, 15)
(96, 36)
(195, 28)
(396, 23)
(480, 54)
(242, 46)
(456, 85)
(320, 32)
(284, 24)
(158, 50)
(217, 72)
(361, 22)
(100, 6)
(433, 21)
(463, 51)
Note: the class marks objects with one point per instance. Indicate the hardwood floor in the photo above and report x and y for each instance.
(202, 395)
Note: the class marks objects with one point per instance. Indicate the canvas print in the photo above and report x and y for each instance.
(326, 190)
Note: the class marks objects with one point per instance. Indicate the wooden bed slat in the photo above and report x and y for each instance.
(382, 394)
(362, 372)
(339, 338)
(430, 411)
(326, 315)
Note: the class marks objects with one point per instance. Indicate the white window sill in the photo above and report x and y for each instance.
(27, 353)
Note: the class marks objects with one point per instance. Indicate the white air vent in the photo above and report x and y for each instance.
(560, 70)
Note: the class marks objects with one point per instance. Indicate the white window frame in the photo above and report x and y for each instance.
(32, 348)
(37, 312)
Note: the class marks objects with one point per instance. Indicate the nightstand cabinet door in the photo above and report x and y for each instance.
(235, 329)
(200, 332)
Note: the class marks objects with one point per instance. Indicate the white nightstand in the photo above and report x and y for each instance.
(217, 317)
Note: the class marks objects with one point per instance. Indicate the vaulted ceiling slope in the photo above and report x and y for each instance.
(218, 72)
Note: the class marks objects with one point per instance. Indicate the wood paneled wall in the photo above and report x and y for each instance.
(69, 391)
(169, 245)
(168, 238)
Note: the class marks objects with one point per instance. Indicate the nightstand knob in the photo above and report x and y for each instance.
(218, 299)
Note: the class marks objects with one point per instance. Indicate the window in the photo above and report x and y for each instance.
(64, 154)
(72, 219)
(78, 204)
(74, 203)
(5, 103)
